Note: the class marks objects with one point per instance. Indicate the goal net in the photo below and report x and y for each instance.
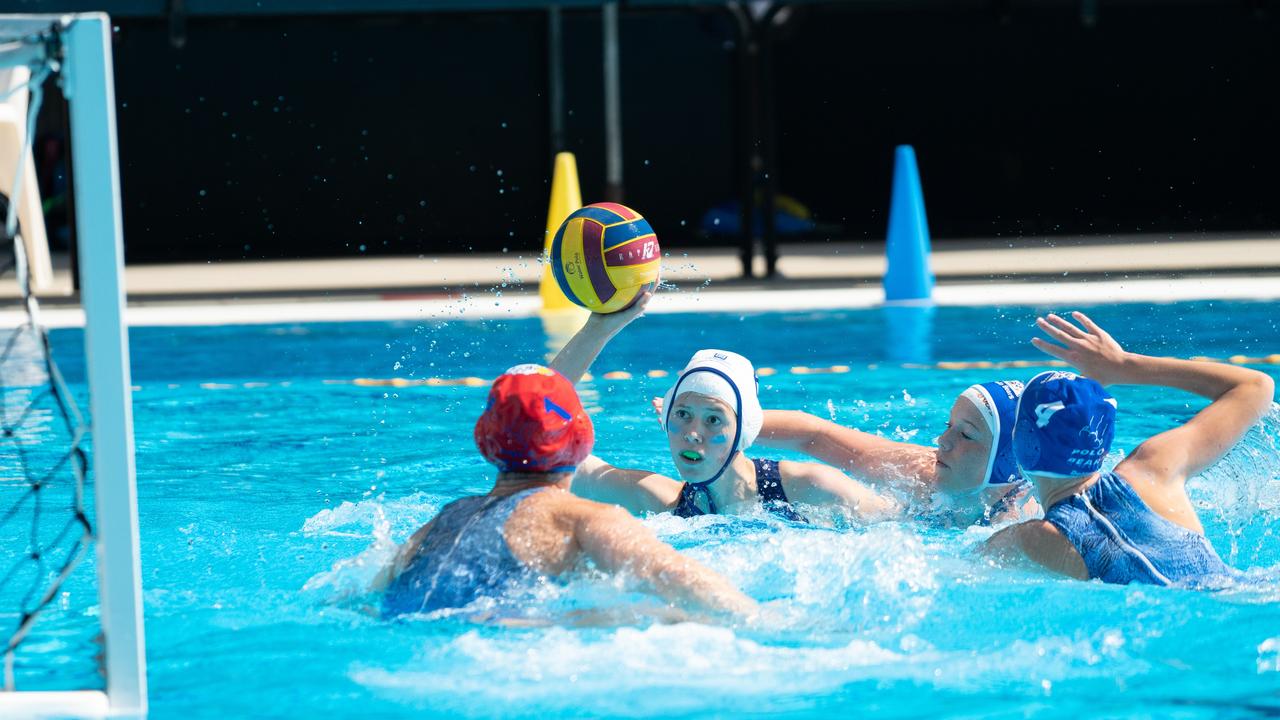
(70, 594)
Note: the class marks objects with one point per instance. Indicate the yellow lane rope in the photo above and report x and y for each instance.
(472, 381)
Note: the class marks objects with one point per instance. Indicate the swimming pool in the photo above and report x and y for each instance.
(270, 486)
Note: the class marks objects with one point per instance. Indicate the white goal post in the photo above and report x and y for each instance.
(85, 65)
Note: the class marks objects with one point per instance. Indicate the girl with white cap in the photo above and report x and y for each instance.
(711, 415)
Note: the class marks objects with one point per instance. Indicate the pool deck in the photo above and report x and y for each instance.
(1040, 271)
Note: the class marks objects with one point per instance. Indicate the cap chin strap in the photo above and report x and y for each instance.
(701, 488)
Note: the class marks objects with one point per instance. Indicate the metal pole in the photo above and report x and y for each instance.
(91, 91)
(745, 136)
(612, 104)
(555, 61)
(768, 140)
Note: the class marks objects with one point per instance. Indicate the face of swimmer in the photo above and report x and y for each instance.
(963, 449)
(700, 434)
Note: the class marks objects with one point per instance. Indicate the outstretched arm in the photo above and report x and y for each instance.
(814, 484)
(863, 455)
(616, 542)
(576, 357)
(636, 490)
(1240, 396)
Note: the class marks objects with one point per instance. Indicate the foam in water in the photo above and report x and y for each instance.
(563, 668)
(1242, 491)
(351, 577)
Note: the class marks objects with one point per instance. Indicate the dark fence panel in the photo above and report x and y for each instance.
(1158, 118)
(336, 135)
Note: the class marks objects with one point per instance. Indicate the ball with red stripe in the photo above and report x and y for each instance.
(605, 255)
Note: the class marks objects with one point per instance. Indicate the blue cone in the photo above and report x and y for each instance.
(908, 332)
(908, 277)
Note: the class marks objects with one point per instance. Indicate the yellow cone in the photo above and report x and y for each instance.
(565, 198)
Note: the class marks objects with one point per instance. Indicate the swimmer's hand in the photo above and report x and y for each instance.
(582, 349)
(614, 322)
(657, 408)
(1088, 348)
(739, 606)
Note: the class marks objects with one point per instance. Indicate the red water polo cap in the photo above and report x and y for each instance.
(534, 422)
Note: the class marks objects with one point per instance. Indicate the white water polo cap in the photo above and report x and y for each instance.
(729, 378)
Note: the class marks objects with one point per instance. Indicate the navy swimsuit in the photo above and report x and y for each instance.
(1124, 541)
(463, 558)
(768, 487)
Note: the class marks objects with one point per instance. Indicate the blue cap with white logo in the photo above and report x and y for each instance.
(1065, 425)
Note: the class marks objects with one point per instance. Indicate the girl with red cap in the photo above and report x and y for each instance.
(528, 528)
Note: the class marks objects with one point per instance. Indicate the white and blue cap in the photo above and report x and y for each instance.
(729, 378)
(1065, 425)
(997, 403)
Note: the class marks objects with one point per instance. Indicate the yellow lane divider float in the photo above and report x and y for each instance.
(472, 381)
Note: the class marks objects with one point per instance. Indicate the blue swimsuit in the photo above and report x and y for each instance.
(1124, 541)
(768, 487)
(463, 558)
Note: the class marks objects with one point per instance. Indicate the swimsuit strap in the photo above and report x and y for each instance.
(1004, 503)
(768, 488)
(687, 505)
(772, 495)
(769, 481)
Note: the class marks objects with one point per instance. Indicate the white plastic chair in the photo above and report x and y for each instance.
(13, 127)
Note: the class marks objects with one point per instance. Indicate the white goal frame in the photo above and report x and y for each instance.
(87, 83)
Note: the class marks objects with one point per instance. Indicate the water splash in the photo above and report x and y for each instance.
(1242, 490)
(1269, 656)
(350, 578)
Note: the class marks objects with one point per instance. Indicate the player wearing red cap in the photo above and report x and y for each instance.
(488, 549)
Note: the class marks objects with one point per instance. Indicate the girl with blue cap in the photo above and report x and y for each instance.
(711, 414)
(1134, 523)
(971, 474)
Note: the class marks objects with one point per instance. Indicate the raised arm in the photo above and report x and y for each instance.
(863, 455)
(1240, 397)
(616, 542)
(576, 357)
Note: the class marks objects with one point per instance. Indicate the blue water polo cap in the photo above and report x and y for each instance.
(1065, 425)
(997, 402)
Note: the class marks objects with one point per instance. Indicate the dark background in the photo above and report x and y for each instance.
(336, 135)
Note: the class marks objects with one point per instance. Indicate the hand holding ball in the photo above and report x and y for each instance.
(604, 256)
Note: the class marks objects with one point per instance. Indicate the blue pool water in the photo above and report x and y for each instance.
(271, 488)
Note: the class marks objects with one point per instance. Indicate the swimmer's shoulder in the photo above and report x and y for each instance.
(560, 507)
(1040, 542)
(548, 529)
